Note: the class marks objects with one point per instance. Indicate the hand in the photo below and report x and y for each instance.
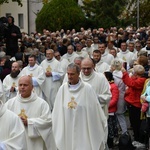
(112, 69)
(13, 34)
(12, 89)
(25, 121)
(48, 74)
(123, 69)
(143, 98)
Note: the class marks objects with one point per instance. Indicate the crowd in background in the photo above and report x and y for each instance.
(126, 66)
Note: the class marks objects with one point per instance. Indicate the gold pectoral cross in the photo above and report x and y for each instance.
(48, 69)
(72, 104)
(31, 75)
(14, 84)
(22, 114)
(124, 58)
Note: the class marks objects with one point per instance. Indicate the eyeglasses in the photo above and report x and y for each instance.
(86, 69)
(57, 56)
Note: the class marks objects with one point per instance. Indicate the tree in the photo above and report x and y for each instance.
(104, 13)
(58, 14)
(7, 1)
(144, 15)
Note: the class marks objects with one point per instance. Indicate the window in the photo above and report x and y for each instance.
(20, 21)
(8, 14)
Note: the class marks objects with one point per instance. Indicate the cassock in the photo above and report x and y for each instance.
(101, 86)
(107, 58)
(102, 67)
(8, 82)
(78, 120)
(2, 94)
(38, 77)
(83, 54)
(64, 64)
(39, 130)
(70, 57)
(12, 132)
(51, 85)
(89, 50)
(126, 56)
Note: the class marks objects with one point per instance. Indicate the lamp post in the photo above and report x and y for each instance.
(137, 14)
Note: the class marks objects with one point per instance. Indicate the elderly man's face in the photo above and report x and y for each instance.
(69, 50)
(78, 47)
(49, 54)
(73, 76)
(25, 86)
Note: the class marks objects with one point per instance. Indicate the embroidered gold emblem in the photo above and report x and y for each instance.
(48, 69)
(22, 114)
(14, 84)
(124, 58)
(31, 75)
(72, 104)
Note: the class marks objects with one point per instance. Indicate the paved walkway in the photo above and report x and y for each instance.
(131, 133)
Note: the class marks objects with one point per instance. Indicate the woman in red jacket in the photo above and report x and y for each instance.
(112, 119)
(132, 97)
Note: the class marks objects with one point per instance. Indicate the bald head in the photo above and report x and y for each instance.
(25, 86)
(87, 61)
(87, 66)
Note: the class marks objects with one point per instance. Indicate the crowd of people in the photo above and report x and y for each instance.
(70, 90)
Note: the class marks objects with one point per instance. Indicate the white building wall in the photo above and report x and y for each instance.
(34, 7)
(29, 10)
(13, 9)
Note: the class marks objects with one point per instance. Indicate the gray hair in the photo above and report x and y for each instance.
(117, 64)
(139, 69)
(74, 66)
(79, 58)
(71, 46)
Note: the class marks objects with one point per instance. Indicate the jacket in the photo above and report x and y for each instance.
(134, 90)
(114, 99)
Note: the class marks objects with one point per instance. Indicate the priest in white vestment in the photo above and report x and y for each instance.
(2, 95)
(10, 82)
(54, 74)
(12, 131)
(80, 52)
(105, 56)
(70, 55)
(100, 66)
(63, 62)
(37, 74)
(78, 120)
(35, 115)
(98, 82)
(125, 54)
(89, 49)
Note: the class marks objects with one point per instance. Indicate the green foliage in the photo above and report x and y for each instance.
(104, 13)
(58, 14)
(144, 15)
(7, 1)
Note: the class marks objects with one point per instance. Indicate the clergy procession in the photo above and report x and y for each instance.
(76, 90)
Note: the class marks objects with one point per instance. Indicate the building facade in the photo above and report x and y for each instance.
(24, 16)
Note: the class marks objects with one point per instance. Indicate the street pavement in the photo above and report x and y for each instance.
(131, 133)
